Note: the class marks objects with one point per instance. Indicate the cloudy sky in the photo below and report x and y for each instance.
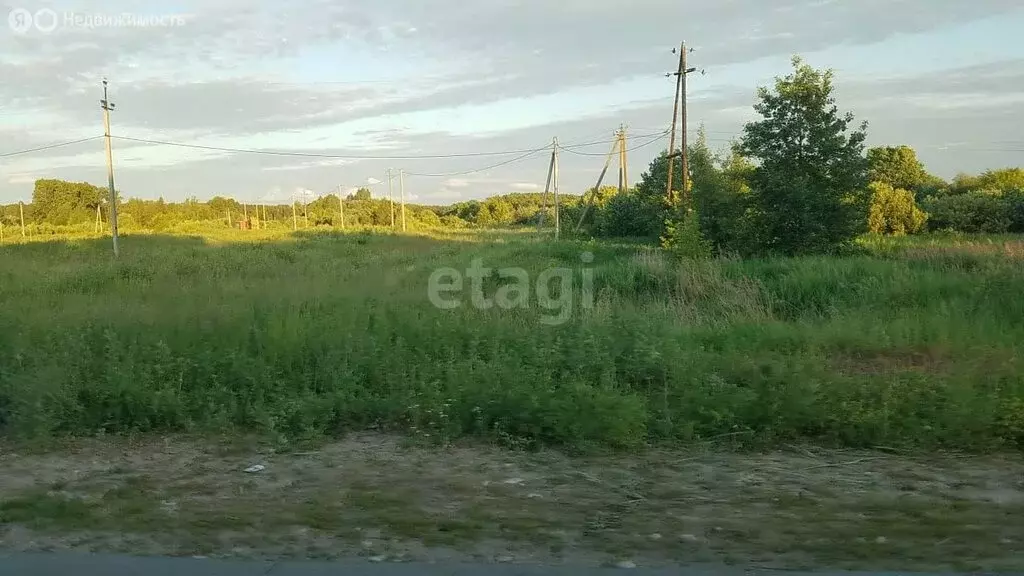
(385, 83)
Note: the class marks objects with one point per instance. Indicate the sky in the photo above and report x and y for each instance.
(360, 87)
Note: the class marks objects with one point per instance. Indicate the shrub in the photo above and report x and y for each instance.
(893, 211)
(973, 212)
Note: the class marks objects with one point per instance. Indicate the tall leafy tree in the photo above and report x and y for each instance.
(808, 191)
(896, 166)
(60, 202)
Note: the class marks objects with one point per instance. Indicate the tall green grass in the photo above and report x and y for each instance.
(317, 334)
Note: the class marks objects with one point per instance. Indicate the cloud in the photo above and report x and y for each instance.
(22, 179)
(527, 186)
(407, 77)
(456, 183)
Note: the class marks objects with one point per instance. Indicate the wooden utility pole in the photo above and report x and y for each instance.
(669, 196)
(683, 148)
(21, 212)
(401, 187)
(341, 206)
(107, 106)
(554, 176)
(600, 179)
(680, 102)
(391, 197)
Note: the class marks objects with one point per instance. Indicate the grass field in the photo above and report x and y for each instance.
(914, 344)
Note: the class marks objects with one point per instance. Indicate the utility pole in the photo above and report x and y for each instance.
(96, 228)
(21, 212)
(623, 170)
(341, 206)
(680, 101)
(669, 196)
(683, 148)
(245, 215)
(600, 179)
(401, 187)
(107, 106)
(554, 176)
(295, 216)
(305, 212)
(547, 185)
(391, 197)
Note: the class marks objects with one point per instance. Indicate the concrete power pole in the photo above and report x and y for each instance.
(391, 197)
(623, 170)
(108, 106)
(21, 213)
(554, 177)
(401, 187)
(341, 206)
(547, 186)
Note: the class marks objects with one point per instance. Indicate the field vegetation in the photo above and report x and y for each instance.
(909, 343)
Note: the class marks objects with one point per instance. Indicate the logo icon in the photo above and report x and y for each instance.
(46, 20)
(20, 20)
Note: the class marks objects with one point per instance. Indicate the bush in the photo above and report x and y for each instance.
(893, 211)
(628, 216)
(974, 212)
(1015, 201)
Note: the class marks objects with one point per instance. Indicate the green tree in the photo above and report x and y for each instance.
(718, 186)
(896, 166)
(501, 211)
(809, 190)
(964, 183)
(362, 193)
(894, 211)
(1003, 180)
(59, 202)
(645, 207)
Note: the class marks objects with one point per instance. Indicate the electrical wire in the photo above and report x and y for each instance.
(655, 138)
(49, 147)
(315, 155)
(608, 141)
(485, 168)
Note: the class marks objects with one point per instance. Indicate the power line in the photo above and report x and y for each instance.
(652, 140)
(315, 155)
(51, 146)
(485, 168)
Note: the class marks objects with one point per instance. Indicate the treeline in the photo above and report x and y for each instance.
(57, 204)
(800, 181)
